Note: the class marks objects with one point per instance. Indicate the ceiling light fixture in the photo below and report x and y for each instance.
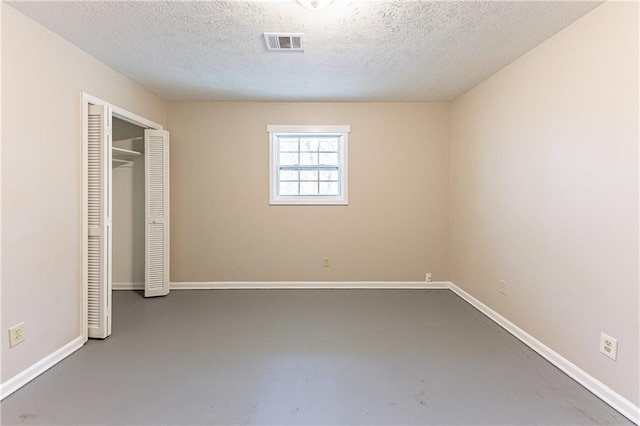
(315, 4)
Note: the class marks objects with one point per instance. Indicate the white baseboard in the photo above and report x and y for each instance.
(599, 389)
(21, 379)
(232, 285)
(602, 391)
(127, 286)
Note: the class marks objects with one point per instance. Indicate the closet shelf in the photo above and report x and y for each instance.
(120, 154)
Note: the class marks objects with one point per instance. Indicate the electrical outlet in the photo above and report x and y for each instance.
(16, 334)
(427, 277)
(503, 287)
(325, 262)
(609, 346)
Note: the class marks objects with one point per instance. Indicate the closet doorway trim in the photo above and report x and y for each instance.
(129, 117)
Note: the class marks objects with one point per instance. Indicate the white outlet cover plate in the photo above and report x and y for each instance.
(608, 346)
(16, 335)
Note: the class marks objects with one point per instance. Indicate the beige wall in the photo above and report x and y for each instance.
(223, 229)
(544, 192)
(42, 80)
(543, 175)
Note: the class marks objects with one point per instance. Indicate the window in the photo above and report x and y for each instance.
(308, 164)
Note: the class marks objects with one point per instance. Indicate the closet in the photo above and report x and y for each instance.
(127, 212)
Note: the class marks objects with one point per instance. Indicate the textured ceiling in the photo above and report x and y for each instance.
(355, 50)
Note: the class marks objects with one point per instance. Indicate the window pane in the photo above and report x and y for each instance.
(328, 188)
(308, 159)
(329, 159)
(329, 145)
(287, 159)
(309, 175)
(308, 145)
(288, 188)
(308, 188)
(329, 175)
(288, 174)
(308, 164)
(288, 144)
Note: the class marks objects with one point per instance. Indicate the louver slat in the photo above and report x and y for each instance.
(156, 180)
(156, 256)
(94, 274)
(97, 321)
(157, 212)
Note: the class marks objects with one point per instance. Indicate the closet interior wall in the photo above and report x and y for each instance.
(128, 208)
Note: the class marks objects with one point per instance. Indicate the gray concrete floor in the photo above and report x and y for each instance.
(393, 357)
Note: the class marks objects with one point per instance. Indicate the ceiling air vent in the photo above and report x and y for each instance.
(284, 41)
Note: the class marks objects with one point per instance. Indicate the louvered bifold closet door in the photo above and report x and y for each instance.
(99, 226)
(156, 156)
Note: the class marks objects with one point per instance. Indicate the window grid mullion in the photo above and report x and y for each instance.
(299, 184)
(295, 181)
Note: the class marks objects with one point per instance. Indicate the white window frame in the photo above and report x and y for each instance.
(277, 130)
